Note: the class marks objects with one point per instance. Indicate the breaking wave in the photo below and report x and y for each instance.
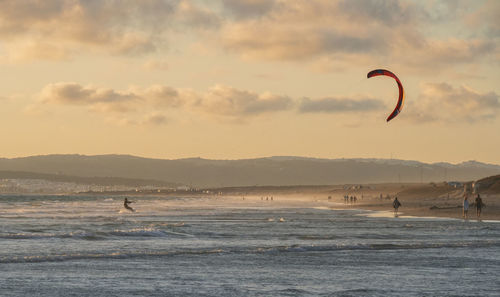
(237, 250)
(97, 235)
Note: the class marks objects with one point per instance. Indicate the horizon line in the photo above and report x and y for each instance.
(254, 158)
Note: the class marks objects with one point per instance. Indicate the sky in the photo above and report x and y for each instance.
(232, 79)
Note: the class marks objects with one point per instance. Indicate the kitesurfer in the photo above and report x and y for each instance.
(126, 203)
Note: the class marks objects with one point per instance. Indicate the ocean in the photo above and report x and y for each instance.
(171, 246)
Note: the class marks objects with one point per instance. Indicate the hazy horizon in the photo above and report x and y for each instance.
(257, 157)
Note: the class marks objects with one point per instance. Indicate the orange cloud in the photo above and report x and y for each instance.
(354, 32)
(444, 102)
(59, 29)
(219, 101)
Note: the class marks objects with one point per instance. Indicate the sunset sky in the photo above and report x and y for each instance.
(230, 79)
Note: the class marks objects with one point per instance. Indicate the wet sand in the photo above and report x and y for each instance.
(490, 212)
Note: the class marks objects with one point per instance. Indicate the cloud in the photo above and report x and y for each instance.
(218, 102)
(485, 19)
(227, 101)
(249, 8)
(387, 12)
(163, 96)
(64, 28)
(311, 28)
(301, 30)
(339, 105)
(443, 102)
(159, 104)
(343, 33)
(73, 93)
(450, 52)
(196, 16)
(155, 119)
(262, 41)
(356, 33)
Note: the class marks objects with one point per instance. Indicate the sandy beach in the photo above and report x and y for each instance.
(430, 200)
(420, 200)
(420, 209)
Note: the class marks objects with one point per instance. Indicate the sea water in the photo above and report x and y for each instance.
(92, 246)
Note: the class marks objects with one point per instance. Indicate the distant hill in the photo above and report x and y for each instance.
(490, 184)
(276, 171)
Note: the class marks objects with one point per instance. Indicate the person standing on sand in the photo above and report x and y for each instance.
(466, 207)
(396, 204)
(479, 205)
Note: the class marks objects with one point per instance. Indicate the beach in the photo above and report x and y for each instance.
(431, 208)
(419, 200)
(295, 245)
(251, 241)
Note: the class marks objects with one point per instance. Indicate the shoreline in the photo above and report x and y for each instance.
(430, 204)
(488, 213)
(422, 206)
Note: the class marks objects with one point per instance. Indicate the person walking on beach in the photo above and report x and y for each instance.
(479, 205)
(126, 203)
(466, 207)
(396, 204)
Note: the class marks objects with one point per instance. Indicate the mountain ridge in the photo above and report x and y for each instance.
(274, 170)
(277, 157)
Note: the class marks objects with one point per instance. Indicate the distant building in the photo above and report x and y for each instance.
(455, 184)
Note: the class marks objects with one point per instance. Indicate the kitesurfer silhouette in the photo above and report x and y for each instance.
(126, 203)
